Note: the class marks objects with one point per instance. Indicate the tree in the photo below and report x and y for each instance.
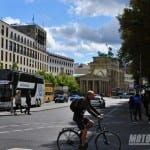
(1, 65)
(60, 80)
(135, 34)
(14, 66)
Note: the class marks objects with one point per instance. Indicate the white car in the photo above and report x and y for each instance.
(98, 102)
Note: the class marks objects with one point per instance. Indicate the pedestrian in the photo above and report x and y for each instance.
(28, 102)
(137, 106)
(18, 102)
(131, 107)
(146, 103)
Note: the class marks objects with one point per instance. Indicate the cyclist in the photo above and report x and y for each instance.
(83, 122)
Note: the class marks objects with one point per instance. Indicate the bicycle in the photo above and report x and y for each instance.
(69, 138)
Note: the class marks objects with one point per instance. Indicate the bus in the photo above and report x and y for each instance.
(49, 92)
(11, 81)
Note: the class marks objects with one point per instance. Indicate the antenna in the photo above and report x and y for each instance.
(33, 19)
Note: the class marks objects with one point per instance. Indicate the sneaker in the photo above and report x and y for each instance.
(25, 112)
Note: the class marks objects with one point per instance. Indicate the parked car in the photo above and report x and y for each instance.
(126, 95)
(98, 101)
(60, 99)
(74, 97)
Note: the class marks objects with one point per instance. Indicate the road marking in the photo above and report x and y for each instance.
(19, 149)
(30, 129)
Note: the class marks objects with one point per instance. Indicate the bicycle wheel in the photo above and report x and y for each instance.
(108, 141)
(68, 140)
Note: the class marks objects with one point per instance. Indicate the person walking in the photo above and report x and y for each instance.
(28, 102)
(18, 102)
(131, 107)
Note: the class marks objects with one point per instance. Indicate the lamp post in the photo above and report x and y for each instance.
(12, 79)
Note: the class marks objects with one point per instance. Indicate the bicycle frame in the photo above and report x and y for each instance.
(103, 138)
(98, 128)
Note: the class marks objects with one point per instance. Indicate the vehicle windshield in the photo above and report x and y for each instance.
(60, 96)
(5, 90)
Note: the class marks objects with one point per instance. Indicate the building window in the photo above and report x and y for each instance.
(17, 59)
(5, 66)
(6, 57)
(1, 55)
(24, 61)
(6, 44)
(10, 56)
(2, 43)
(11, 35)
(20, 59)
(2, 30)
(10, 45)
(6, 31)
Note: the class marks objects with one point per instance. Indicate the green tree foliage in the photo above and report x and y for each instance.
(15, 66)
(135, 34)
(48, 77)
(60, 80)
(1, 65)
(67, 80)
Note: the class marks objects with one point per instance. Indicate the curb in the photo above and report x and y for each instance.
(38, 109)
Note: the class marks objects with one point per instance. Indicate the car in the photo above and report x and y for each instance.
(98, 101)
(126, 95)
(60, 99)
(74, 97)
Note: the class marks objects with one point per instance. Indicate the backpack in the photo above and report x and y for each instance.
(75, 105)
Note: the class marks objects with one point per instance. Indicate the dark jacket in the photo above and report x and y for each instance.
(28, 99)
(85, 106)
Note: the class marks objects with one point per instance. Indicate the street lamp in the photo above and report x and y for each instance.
(12, 80)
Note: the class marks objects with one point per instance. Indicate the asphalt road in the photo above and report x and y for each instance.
(39, 130)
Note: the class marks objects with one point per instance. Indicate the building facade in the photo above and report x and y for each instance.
(105, 75)
(26, 46)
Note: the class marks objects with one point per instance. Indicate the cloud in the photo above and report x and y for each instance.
(11, 20)
(96, 7)
(79, 55)
(110, 32)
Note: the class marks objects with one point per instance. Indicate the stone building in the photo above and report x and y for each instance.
(105, 75)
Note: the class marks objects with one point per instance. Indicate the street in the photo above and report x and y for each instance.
(39, 131)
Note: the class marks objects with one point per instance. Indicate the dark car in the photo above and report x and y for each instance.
(98, 102)
(60, 99)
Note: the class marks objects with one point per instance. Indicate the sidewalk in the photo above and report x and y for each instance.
(45, 106)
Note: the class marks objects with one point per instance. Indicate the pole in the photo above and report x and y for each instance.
(12, 94)
(118, 75)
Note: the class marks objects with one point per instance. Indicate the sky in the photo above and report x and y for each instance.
(76, 29)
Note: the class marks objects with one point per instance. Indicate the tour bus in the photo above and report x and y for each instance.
(49, 92)
(11, 81)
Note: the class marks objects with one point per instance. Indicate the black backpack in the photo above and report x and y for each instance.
(76, 105)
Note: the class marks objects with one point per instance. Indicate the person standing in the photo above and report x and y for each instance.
(137, 103)
(18, 102)
(28, 102)
(146, 103)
